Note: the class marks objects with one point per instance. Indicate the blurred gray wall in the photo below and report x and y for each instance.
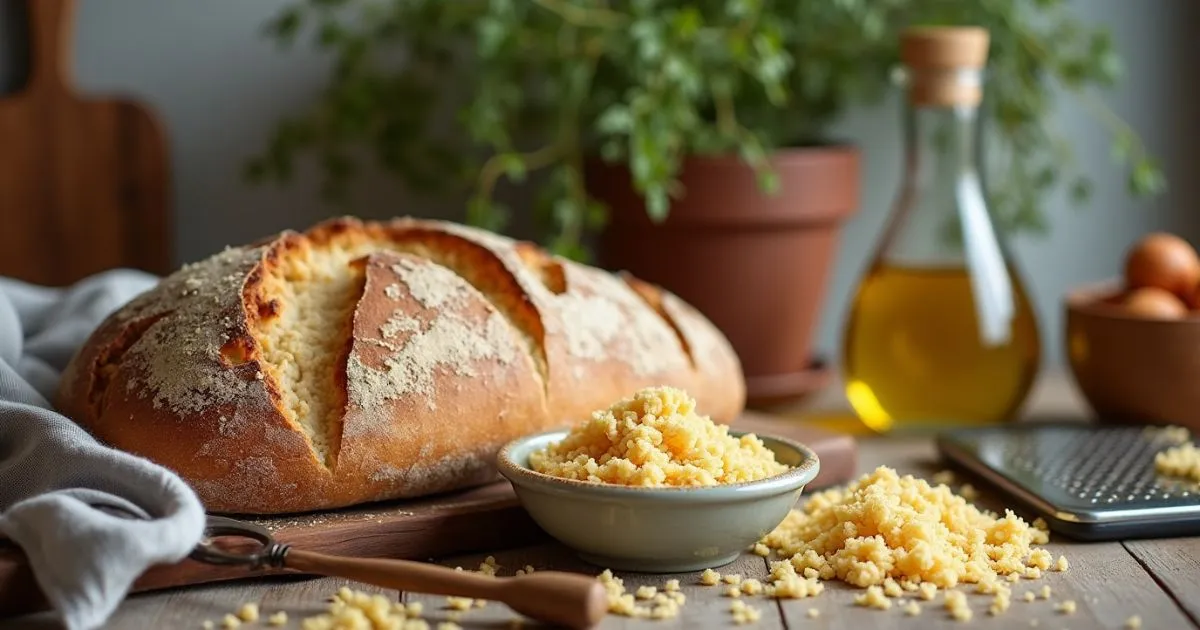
(219, 86)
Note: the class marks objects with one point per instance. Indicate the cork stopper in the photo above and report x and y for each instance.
(944, 64)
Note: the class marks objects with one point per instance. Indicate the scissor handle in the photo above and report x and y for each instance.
(269, 553)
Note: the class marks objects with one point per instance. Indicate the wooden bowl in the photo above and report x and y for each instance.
(1132, 369)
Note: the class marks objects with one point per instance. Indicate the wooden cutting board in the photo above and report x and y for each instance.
(83, 181)
(475, 520)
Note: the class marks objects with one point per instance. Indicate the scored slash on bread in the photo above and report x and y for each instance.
(363, 361)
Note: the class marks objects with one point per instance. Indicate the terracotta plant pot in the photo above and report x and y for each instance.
(757, 265)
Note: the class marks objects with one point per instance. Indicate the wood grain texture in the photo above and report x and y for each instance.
(1105, 582)
(704, 607)
(83, 182)
(1175, 565)
(300, 598)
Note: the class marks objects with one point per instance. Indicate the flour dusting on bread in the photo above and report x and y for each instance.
(449, 343)
(431, 285)
(183, 371)
(604, 320)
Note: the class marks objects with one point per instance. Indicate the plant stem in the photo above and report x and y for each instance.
(583, 16)
(726, 117)
(493, 168)
(1107, 116)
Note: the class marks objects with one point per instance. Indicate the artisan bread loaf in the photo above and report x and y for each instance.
(363, 361)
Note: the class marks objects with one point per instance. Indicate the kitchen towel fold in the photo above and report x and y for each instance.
(90, 519)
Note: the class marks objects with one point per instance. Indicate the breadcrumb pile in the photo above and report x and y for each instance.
(656, 438)
(885, 526)
(1179, 461)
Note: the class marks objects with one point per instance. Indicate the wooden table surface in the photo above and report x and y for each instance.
(1157, 580)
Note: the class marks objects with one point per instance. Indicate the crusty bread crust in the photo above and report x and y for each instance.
(434, 344)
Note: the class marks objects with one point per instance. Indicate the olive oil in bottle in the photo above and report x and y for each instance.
(941, 330)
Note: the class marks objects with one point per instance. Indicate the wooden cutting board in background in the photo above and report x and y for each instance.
(83, 181)
(487, 518)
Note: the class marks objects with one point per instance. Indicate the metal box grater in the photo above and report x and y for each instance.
(1091, 482)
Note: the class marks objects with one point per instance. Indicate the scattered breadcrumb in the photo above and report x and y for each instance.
(737, 605)
(448, 625)
(489, 566)
(733, 591)
(787, 584)
(956, 604)
(813, 613)
(1066, 607)
(208, 624)
(1173, 433)
(1040, 558)
(1032, 573)
(1028, 596)
(1062, 563)
(1133, 623)
(710, 578)
(1045, 591)
(912, 609)
(927, 590)
(459, 603)
(480, 603)
(751, 586)
(746, 614)
(278, 619)
(356, 609)
(248, 612)
(671, 586)
(1000, 603)
(968, 492)
(661, 605)
(873, 598)
(943, 477)
(891, 588)
(761, 550)
(1179, 461)
(732, 578)
(229, 622)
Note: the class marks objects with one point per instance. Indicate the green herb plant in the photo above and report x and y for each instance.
(458, 95)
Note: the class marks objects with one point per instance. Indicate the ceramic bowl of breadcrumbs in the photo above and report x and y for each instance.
(652, 485)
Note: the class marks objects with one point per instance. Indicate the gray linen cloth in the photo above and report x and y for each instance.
(62, 494)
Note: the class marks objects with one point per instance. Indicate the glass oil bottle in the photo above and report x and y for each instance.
(941, 330)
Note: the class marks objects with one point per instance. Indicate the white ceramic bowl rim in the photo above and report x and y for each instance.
(797, 476)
